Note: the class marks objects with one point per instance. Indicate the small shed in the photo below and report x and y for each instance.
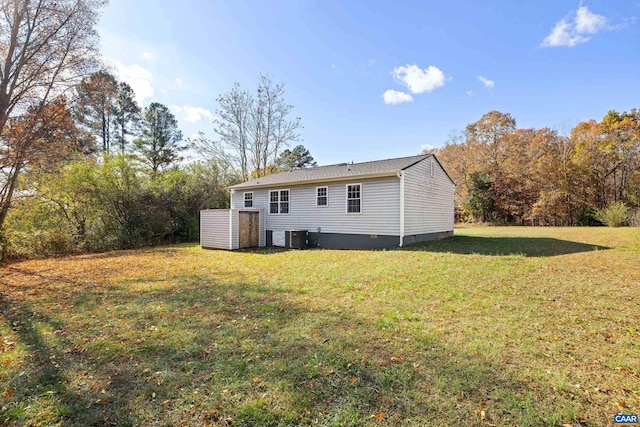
(232, 228)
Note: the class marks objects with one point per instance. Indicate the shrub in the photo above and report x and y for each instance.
(614, 215)
(589, 218)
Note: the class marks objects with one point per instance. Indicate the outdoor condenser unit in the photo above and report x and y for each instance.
(298, 239)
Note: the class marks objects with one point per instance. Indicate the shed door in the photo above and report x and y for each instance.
(248, 229)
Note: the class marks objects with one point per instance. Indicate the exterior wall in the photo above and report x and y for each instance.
(380, 212)
(428, 202)
(214, 228)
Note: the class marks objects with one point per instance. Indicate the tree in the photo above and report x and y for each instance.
(297, 158)
(96, 97)
(44, 48)
(159, 137)
(255, 129)
(126, 115)
(40, 138)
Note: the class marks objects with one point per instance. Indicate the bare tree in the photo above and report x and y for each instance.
(45, 47)
(256, 129)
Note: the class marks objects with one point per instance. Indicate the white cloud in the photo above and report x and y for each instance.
(139, 78)
(469, 93)
(179, 82)
(588, 22)
(427, 147)
(191, 114)
(418, 80)
(486, 82)
(394, 97)
(147, 56)
(573, 31)
(333, 66)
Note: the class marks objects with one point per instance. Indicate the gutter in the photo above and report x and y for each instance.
(312, 181)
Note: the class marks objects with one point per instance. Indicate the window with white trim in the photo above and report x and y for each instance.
(279, 202)
(433, 168)
(354, 198)
(248, 199)
(322, 196)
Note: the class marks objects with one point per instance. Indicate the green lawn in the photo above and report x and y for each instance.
(495, 326)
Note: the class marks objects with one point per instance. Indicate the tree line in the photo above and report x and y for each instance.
(507, 175)
(84, 168)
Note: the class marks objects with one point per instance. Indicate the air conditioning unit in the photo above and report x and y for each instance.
(298, 239)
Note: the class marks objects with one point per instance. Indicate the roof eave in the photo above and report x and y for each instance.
(314, 181)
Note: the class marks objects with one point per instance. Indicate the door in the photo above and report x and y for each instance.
(248, 229)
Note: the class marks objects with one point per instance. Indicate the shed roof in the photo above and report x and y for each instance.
(339, 171)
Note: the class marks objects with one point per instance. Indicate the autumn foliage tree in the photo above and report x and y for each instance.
(45, 46)
(41, 138)
(535, 176)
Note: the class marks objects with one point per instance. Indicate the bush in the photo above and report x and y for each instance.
(614, 215)
(589, 218)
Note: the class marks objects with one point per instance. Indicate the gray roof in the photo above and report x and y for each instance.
(335, 172)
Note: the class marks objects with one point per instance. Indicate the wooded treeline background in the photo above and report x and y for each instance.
(97, 172)
(84, 168)
(506, 175)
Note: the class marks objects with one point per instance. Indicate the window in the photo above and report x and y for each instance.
(248, 200)
(433, 168)
(354, 197)
(279, 202)
(322, 196)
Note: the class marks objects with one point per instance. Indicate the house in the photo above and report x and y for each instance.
(378, 204)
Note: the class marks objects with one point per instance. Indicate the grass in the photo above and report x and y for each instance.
(495, 326)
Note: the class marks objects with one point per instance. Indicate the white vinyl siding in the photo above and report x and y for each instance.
(214, 228)
(428, 199)
(380, 213)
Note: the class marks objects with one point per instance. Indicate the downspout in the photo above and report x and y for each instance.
(231, 219)
(401, 176)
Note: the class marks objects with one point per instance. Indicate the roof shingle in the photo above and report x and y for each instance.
(330, 172)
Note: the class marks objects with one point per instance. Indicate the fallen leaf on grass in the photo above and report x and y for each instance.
(397, 359)
(165, 402)
(256, 381)
(7, 394)
(381, 416)
(354, 380)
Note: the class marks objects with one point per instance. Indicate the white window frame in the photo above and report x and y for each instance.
(280, 201)
(326, 196)
(244, 199)
(346, 202)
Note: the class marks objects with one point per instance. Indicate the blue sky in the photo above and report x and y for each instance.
(374, 79)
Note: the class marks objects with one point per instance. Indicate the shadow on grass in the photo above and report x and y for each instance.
(240, 353)
(500, 246)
